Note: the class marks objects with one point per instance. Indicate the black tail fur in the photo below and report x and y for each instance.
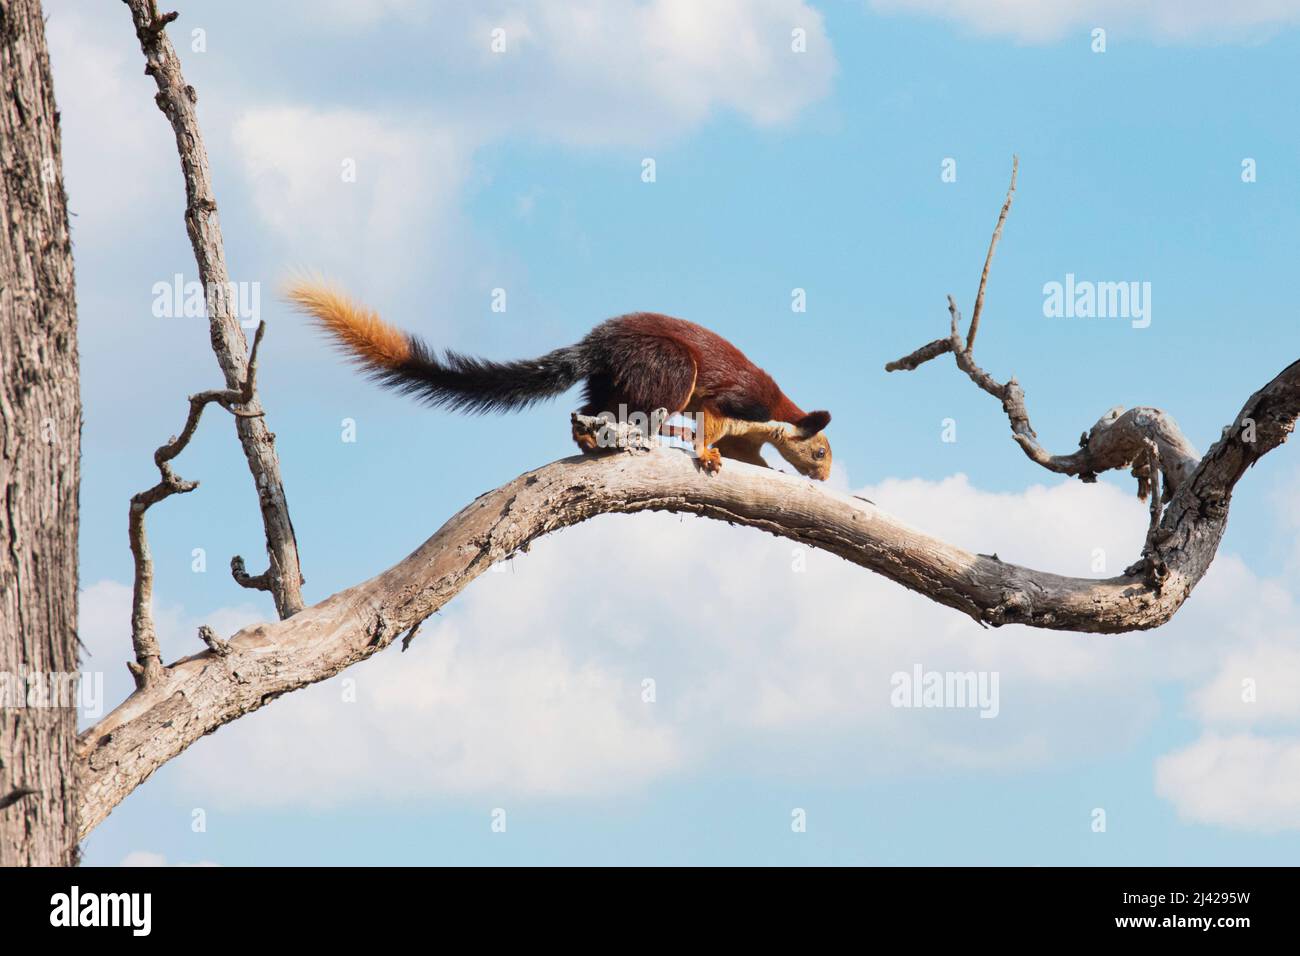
(464, 383)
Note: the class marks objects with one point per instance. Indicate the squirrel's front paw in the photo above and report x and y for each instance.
(711, 460)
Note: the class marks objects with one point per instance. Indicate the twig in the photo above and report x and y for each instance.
(931, 350)
(410, 635)
(254, 582)
(988, 260)
(147, 666)
(177, 99)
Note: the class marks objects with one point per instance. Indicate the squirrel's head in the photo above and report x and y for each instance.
(803, 445)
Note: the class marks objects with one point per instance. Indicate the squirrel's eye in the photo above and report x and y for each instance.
(820, 453)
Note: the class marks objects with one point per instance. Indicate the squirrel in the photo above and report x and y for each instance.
(644, 361)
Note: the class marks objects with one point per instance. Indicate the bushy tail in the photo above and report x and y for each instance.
(403, 362)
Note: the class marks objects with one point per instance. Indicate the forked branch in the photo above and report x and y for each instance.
(177, 100)
(148, 666)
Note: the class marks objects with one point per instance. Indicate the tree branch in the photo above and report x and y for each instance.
(147, 667)
(988, 259)
(930, 350)
(177, 101)
(260, 663)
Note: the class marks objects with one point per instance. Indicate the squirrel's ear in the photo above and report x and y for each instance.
(812, 423)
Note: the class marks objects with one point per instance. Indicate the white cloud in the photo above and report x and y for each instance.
(1240, 781)
(116, 144)
(1228, 777)
(463, 711)
(619, 71)
(1259, 686)
(1045, 20)
(348, 15)
(587, 74)
(1249, 645)
(342, 187)
(601, 72)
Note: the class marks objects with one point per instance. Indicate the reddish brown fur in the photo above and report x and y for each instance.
(723, 374)
(658, 361)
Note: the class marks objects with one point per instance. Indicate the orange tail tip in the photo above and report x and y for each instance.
(357, 330)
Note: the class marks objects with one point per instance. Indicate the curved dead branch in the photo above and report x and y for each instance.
(232, 678)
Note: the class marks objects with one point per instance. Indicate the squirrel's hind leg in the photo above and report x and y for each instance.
(596, 395)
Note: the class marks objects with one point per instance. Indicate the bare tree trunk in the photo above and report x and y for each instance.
(40, 435)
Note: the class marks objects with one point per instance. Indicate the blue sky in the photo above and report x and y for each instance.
(774, 171)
